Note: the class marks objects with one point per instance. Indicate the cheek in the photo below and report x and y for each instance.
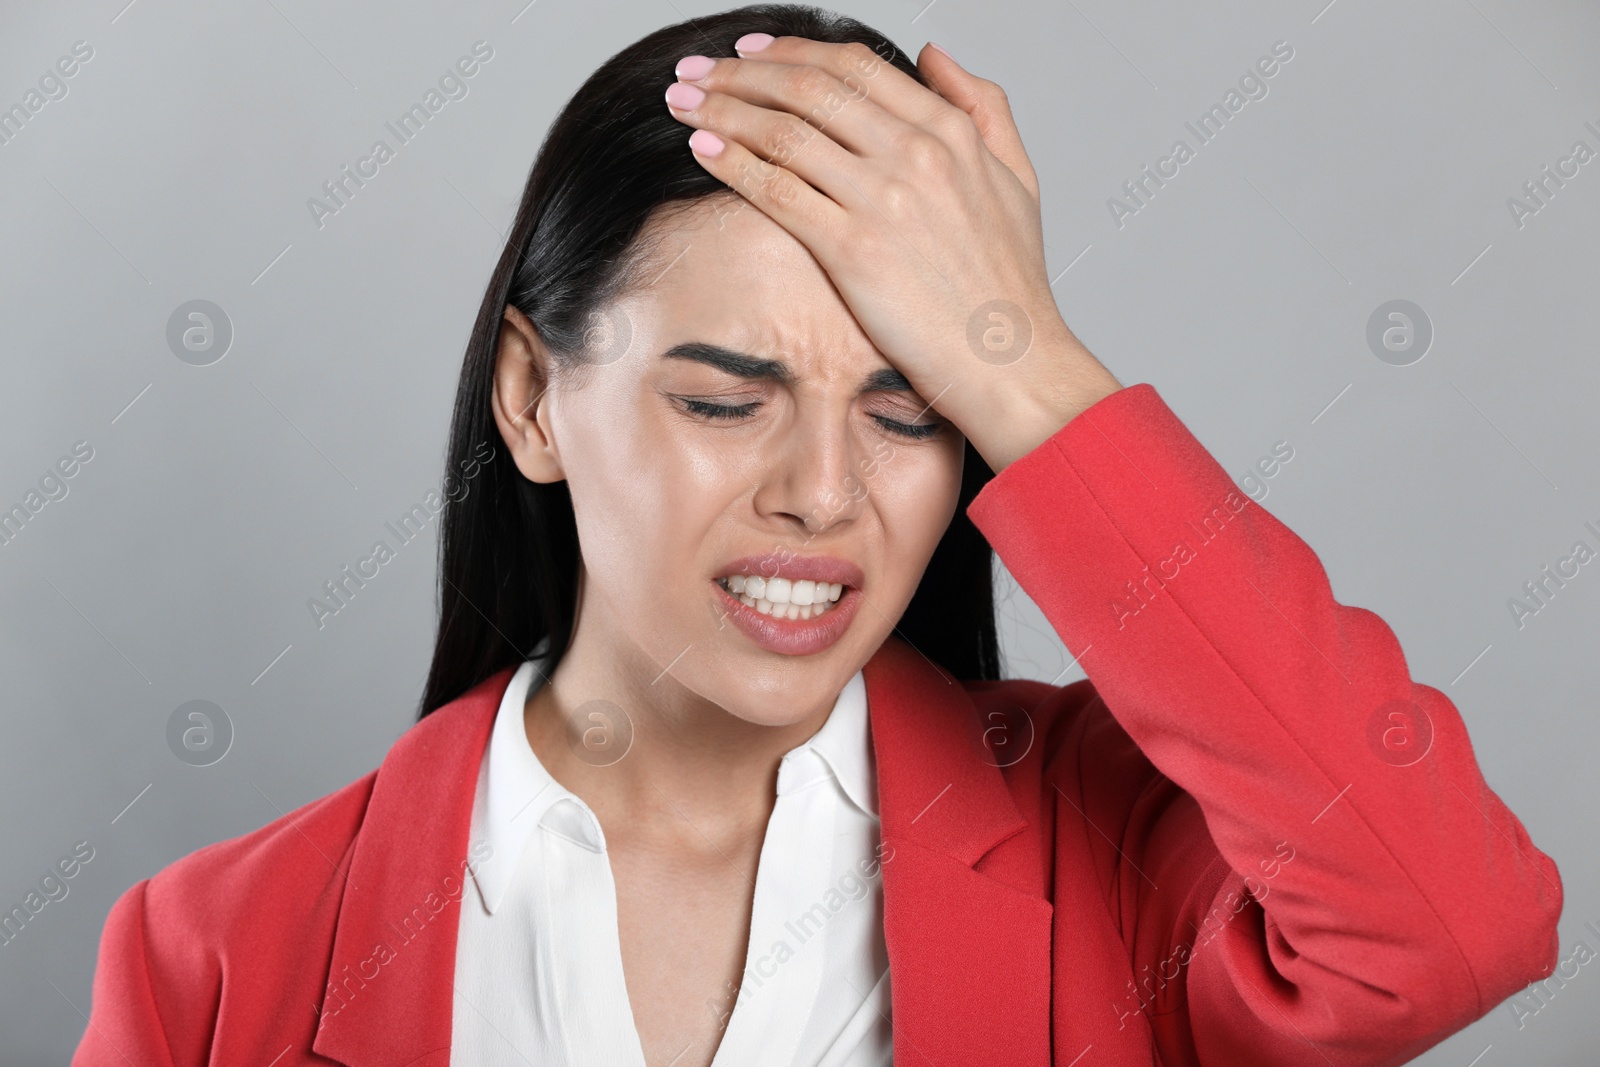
(915, 495)
(644, 494)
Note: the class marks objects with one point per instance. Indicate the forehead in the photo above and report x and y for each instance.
(721, 270)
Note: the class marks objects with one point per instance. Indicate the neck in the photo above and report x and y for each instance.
(691, 765)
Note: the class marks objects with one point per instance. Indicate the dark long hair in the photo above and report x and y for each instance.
(508, 546)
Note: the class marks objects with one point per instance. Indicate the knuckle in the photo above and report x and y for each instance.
(956, 127)
(808, 83)
(860, 59)
(780, 188)
(898, 199)
(784, 139)
(999, 104)
(925, 154)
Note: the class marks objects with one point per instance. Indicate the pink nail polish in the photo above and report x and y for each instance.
(752, 42)
(946, 51)
(684, 97)
(706, 143)
(693, 68)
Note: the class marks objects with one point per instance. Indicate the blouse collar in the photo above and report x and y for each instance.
(516, 793)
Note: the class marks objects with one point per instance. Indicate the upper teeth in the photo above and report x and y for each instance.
(783, 590)
(783, 598)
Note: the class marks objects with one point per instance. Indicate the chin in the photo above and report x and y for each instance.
(780, 697)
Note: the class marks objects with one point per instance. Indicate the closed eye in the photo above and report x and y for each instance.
(915, 431)
(708, 410)
(719, 411)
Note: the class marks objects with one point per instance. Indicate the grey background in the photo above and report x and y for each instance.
(221, 497)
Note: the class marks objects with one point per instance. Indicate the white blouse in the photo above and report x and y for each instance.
(538, 974)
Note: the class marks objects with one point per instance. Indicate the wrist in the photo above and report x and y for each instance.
(1019, 412)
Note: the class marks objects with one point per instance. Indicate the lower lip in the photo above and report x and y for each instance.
(792, 637)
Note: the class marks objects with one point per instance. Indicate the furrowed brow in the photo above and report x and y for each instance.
(738, 364)
(887, 379)
(743, 365)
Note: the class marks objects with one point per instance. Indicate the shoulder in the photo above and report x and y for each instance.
(300, 848)
(295, 869)
(239, 928)
(217, 929)
(269, 881)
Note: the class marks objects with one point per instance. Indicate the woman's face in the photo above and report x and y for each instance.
(682, 473)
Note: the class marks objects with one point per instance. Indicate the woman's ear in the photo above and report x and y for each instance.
(522, 374)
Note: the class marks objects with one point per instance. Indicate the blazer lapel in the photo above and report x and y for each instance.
(969, 955)
(390, 990)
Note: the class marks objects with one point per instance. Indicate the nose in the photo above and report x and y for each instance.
(813, 477)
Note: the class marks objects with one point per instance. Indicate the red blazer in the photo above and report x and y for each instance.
(1251, 840)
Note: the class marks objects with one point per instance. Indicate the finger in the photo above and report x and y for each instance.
(781, 194)
(844, 108)
(853, 63)
(986, 102)
(779, 137)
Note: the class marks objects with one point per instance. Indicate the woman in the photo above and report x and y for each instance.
(714, 743)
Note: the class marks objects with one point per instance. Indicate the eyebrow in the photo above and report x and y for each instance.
(742, 365)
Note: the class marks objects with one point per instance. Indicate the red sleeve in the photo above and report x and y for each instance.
(1363, 892)
(124, 1026)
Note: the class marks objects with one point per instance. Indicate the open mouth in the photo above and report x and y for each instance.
(784, 598)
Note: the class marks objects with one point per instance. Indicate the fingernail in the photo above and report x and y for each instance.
(752, 42)
(683, 96)
(693, 68)
(705, 143)
(946, 51)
